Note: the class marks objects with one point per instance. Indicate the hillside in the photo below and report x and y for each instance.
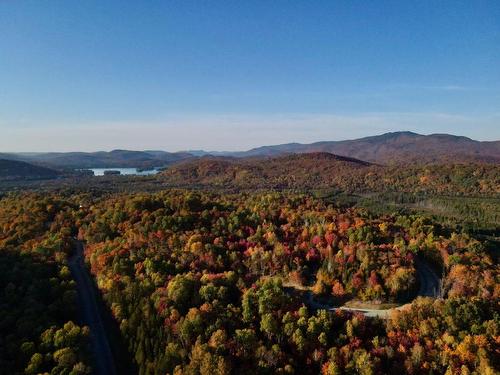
(328, 171)
(295, 170)
(18, 169)
(289, 171)
(396, 148)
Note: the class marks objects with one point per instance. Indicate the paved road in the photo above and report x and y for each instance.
(429, 287)
(429, 281)
(89, 309)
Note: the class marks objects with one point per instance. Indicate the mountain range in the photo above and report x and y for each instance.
(390, 148)
(100, 159)
(393, 148)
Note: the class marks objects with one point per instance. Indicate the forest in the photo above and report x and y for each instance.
(207, 282)
(40, 332)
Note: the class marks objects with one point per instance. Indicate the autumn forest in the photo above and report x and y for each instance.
(214, 281)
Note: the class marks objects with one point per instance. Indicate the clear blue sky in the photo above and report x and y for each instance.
(90, 75)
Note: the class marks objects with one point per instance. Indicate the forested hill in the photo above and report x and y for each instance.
(324, 170)
(19, 169)
(396, 148)
(297, 170)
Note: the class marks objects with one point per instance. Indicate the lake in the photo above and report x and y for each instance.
(123, 171)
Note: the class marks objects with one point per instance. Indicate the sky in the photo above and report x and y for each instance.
(231, 75)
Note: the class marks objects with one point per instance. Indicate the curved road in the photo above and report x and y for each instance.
(89, 308)
(429, 287)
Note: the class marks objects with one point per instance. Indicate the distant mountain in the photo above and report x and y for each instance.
(390, 148)
(19, 169)
(395, 148)
(101, 159)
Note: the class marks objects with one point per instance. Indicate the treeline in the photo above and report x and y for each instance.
(472, 214)
(38, 330)
(195, 282)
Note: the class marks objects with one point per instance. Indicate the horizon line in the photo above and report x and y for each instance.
(191, 150)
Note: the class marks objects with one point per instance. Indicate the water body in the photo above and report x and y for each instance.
(124, 171)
